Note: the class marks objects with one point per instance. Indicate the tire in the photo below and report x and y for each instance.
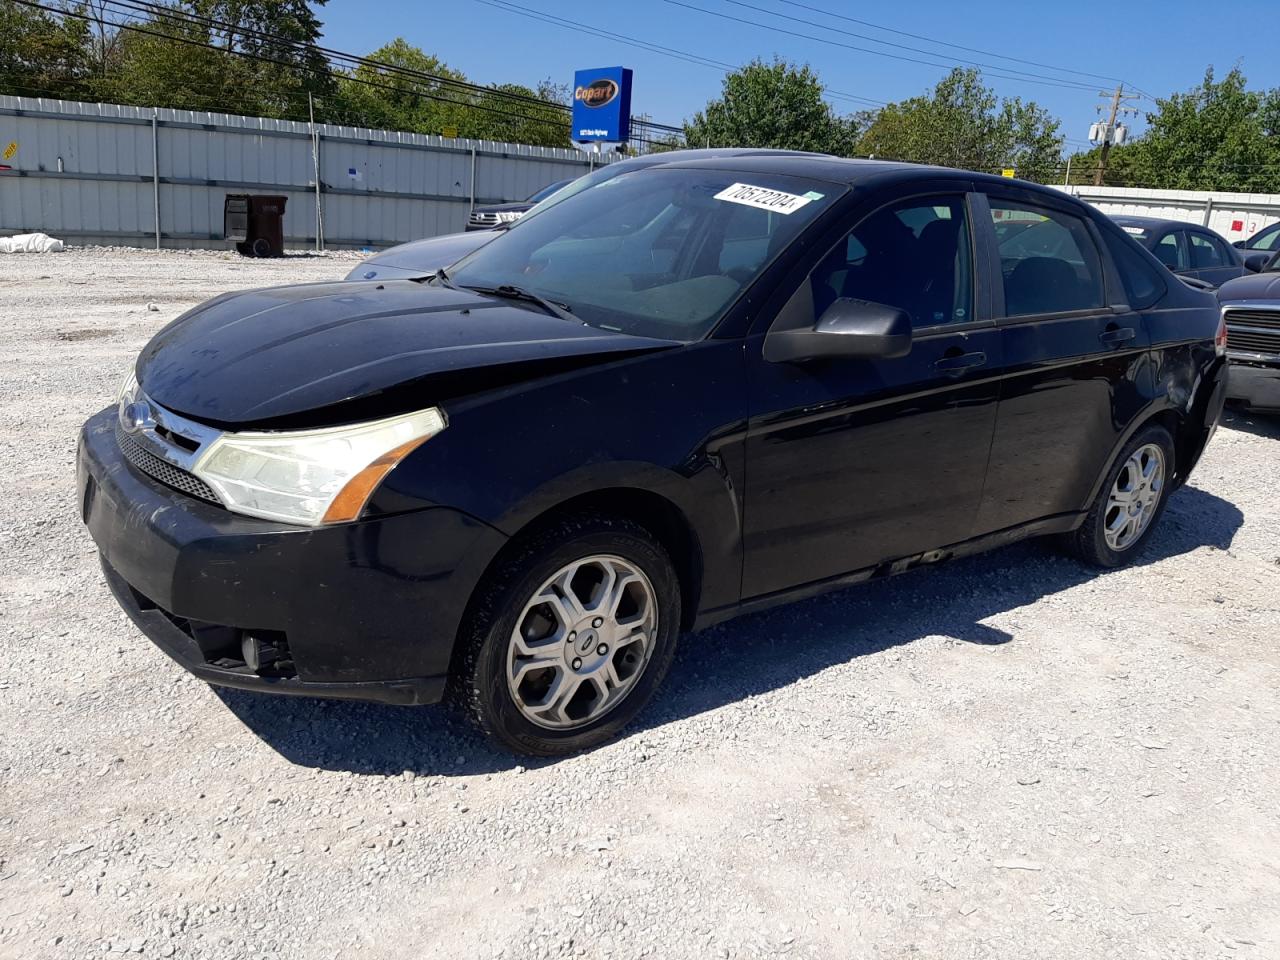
(1090, 541)
(568, 662)
(262, 248)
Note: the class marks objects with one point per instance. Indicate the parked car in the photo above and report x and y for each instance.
(421, 258)
(1251, 310)
(674, 397)
(1190, 250)
(1265, 240)
(491, 215)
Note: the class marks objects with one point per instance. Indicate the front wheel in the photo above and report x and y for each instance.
(1131, 500)
(569, 638)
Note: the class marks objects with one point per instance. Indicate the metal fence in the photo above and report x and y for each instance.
(1237, 216)
(104, 173)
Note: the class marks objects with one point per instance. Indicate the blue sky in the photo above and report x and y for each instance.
(1158, 47)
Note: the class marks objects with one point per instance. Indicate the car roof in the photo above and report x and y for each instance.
(847, 171)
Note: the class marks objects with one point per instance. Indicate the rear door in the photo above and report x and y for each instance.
(1074, 353)
(852, 462)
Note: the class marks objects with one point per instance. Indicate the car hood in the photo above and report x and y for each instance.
(1252, 286)
(421, 257)
(318, 354)
(519, 206)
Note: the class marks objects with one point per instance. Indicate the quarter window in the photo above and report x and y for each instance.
(1049, 261)
(1172, 253)
(913, 255)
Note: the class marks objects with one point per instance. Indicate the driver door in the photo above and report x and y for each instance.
(854, 462)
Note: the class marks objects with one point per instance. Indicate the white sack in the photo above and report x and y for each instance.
(30, 243)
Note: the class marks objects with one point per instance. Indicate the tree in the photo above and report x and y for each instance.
(41, 55)
(963, 123)
(399, 93)
(776, 105)
(371, 96)
(1218, 136)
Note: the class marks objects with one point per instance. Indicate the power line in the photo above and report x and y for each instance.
(1068, 85)
(303, 68)
(1032, 77)
(662, 50)
(944, 43)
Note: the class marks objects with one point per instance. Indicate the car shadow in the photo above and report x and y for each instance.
(1247, 421)
(769, 650)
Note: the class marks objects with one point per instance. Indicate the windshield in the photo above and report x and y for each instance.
(659, 253)
(547, 191)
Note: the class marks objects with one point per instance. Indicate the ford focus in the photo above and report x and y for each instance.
(683, 393)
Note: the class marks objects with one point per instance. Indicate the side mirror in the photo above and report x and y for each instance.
(847, 328)
(1239, 244)
(1257, 262)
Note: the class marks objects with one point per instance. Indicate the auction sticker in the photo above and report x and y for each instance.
(765, 198)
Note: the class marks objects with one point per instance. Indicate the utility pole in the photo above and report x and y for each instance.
(1110, 133)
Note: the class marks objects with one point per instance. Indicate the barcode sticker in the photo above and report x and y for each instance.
(765, 198)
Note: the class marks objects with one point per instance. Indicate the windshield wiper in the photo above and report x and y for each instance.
(510, 291)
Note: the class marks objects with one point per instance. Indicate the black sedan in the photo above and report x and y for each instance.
(679, 395)
(1190, 250)
(491, 215)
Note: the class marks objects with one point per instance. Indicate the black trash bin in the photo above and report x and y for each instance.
(255, 224)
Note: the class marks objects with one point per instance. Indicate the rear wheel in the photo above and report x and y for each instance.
(568, 639)
(1130, 502)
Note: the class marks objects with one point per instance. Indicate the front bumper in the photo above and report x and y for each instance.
(1255, 385)
(365, 610)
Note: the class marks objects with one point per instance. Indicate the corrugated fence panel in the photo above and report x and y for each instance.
(84, 171)
(1237, 216)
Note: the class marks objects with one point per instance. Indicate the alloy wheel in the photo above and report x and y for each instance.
(1134, 497)
(581, 642)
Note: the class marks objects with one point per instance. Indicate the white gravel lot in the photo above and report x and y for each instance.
(1008, 757)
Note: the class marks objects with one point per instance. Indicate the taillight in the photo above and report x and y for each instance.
(1220, 338)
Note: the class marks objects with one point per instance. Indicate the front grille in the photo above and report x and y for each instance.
(1251, 341)
(479, 219)
(147, 462)
(1267, 319)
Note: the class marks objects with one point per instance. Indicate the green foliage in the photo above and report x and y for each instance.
(41, 55)
(1217, 136)
(963, 123)
(257, 57)
(777, 105)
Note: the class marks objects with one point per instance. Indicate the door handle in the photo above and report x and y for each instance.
(960, 362)
(1114, 336)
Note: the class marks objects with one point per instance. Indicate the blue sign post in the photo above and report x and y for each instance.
(602, 105)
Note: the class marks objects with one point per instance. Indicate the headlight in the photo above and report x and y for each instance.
(128, 392)
(507, 216)
(311, 476)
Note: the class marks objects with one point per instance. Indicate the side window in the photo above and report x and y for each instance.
(914, 255)
(1205, 253)
(1268, 239)
(1049, 261)
(1171, 252)
(1143, 281)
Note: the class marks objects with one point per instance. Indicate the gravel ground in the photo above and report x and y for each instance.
(1008, 757)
